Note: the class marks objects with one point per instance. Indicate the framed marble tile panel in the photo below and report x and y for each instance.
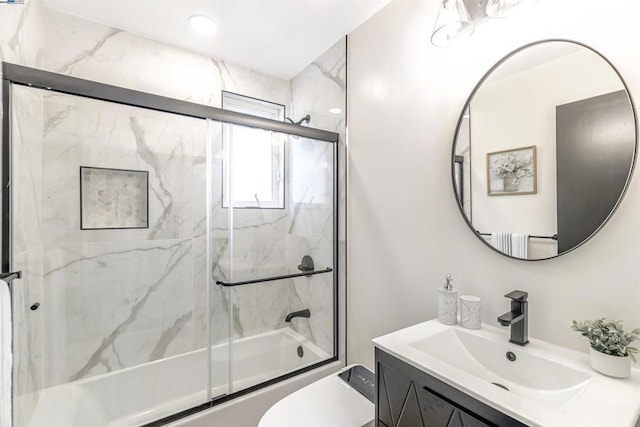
(113, 198)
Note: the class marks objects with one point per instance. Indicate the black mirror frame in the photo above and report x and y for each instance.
(459, 124)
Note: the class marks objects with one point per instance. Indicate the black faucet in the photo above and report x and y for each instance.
(517, 318)
(302, 313)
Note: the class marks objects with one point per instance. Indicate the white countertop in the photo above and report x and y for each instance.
(604, 401)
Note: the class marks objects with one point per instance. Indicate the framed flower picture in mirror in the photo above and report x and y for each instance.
(512, 172)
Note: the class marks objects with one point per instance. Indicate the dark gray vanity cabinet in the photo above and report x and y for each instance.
(408, 397)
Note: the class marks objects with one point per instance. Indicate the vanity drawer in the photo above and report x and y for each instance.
(408, 397)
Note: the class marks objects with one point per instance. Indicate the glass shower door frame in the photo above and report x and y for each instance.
(25, 76)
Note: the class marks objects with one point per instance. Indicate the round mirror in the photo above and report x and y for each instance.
(544, 150)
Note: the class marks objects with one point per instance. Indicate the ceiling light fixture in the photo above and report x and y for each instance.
(506, 8)
(335, 110)
(453, 23)
(203, 25)
(457, 18)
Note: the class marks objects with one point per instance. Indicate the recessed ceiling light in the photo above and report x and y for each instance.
(335, 110)
(203, 25)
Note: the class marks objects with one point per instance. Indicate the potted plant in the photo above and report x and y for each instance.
(610, 352)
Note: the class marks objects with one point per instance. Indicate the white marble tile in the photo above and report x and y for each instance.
(85, 49)
(115, 304)
(320, 87)
(316, 89)
(314, 292)
(119, 298)
(27, 160)
(29, 328)
(85, 132)
(21, 43)
(21, 33)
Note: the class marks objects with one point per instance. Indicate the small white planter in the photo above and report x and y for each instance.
(613, 366)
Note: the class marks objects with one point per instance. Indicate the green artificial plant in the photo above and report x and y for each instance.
(608, 336)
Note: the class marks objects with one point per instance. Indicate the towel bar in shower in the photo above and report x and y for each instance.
(8, 277)
(554, 237)
(273, 278)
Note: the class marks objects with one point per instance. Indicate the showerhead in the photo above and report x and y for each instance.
(305, 119)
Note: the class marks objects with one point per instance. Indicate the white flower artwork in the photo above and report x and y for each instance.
(512, 172)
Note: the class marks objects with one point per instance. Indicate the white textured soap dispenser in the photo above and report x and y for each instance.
(447, 303)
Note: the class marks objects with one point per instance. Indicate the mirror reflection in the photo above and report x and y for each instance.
(544, 150)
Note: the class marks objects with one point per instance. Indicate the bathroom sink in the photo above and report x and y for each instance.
(545, 385)
(548, 383)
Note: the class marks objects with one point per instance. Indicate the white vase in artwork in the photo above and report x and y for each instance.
(613, 366)
(510, 183)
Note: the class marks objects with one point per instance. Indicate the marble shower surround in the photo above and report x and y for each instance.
(265, 241)
(117, 298)
(21, 43)
(316, 89)
(84, 131)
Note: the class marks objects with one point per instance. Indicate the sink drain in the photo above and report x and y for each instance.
(500, 385)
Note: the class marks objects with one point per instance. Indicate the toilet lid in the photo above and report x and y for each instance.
(327, 402)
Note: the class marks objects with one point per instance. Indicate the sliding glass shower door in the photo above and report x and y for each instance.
(109, 228)
(169, 261)
(276, 276)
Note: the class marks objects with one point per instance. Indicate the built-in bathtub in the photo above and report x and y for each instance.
(145, 393)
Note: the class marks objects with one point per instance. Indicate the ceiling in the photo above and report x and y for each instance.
(276, 37)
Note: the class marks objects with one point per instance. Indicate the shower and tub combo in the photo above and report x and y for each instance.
(156, 282)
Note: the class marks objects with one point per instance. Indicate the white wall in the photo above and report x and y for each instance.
(405, 232)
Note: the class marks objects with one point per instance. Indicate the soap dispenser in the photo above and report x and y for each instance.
(447, 303)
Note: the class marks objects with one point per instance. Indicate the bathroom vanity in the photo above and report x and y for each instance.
(409, 397)
(434, 375)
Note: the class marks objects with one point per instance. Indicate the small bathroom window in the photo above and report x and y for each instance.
(253, 169)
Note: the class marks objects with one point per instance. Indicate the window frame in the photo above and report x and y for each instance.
(266, 109)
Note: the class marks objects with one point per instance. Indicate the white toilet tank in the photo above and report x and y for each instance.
(331, 401)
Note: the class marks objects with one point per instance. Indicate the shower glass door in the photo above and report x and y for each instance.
(109, 228)
(276, 275)
(167, 260)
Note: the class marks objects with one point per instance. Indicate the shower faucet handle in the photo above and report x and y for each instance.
(306, 264)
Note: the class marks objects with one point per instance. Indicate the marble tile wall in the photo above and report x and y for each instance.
(86, 49)
(318, 88)
(21, 43)
(119, 298)
(29, 326)
(111, 298)
(305, 227)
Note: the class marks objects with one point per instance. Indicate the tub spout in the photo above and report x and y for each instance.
(302, 313)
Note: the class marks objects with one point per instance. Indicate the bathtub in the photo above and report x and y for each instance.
(148, 392)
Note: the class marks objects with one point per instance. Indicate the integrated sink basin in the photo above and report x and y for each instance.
(548, 383)
(540, 384)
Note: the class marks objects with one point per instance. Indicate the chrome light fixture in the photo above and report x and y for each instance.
(506, 8)
(457, 18)
(453, 23)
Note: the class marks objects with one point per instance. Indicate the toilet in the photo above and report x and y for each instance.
(343, 399)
